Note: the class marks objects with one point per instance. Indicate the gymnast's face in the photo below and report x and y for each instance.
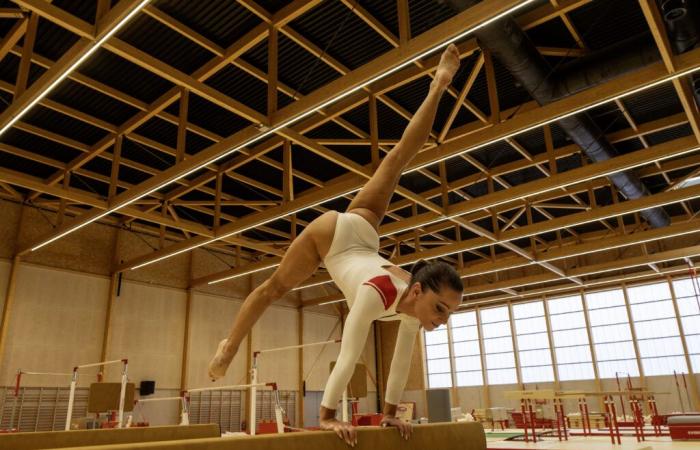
(434, 308)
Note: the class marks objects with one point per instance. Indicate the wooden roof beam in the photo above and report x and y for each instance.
(528, 230)
(79, 50)
(387, 84)
(523, 121)
(592, 269)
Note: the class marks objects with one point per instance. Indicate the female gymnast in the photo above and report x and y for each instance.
(348, 243)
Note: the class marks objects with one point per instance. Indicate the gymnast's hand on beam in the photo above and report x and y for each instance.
(405, 428)
(344, 430)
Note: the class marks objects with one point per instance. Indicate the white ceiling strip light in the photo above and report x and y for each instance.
(265, 133)
(94, 46)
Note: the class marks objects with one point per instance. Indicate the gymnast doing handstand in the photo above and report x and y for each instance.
(375, 289)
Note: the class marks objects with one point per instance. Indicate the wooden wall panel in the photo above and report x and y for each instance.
(148, 324)
(210, 320)
(317, 359)
(416, 379)
(205, 263)
(56, 323)
(173, 272)
(4, 277)
(278, 328)
(10, 213)
(87, 250)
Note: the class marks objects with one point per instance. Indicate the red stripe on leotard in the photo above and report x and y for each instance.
(385, 287)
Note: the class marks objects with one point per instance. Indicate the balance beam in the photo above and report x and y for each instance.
(95, 438)
(439, 436)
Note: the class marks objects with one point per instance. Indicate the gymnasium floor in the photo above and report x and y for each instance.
(493, 442)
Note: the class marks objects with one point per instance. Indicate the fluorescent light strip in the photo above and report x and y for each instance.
(592, 177)
(581, 222)
(430, 222)
(259, 269)
(331, 302)
(280, 126)
(546, 259)
(409, 62)
(97, 44)
(563, 116)
(186, 249)
(559, 288)
(288, 213)
(191, 171)
(224, 236)
(70, 230)
(531, 262)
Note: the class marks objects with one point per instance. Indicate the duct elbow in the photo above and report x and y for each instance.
(656, 217)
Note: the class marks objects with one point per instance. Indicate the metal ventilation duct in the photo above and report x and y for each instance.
(509, 44)
(682, 19)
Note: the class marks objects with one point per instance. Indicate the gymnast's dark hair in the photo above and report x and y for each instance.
(436, 275)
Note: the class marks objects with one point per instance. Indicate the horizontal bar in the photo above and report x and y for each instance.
(291, 347)
(234, 386)
(157, 399)
(54, 374)
(103, 363)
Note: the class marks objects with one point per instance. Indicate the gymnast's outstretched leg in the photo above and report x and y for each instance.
(373, 199)
(298, 263)
(308, 250)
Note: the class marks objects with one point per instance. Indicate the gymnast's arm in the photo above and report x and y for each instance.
(398, 374)
(365, 310)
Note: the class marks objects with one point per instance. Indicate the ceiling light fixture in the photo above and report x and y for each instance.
(331, 302)
(237, 275)
(563, 116)
(265, 133)
(95, 45)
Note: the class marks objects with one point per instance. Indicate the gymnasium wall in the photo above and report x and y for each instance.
(56, 323)
(96, 248)
(4, 278)
(58, 318)
(415, 384)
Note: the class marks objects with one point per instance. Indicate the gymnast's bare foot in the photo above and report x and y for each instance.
(220, 361)
(448, 66)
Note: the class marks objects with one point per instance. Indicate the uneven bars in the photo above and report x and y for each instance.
(233, 386)
(103, 363)
(184, 413)
(253, 390)
(20, 372)
(157, 399)
(254, 378)
(74, 383)
(18, 381)
(292, 347)
(53, 374)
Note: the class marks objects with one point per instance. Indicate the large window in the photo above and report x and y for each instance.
(571, 345)
(611, 332)
(656, 326)
(453, 353)
(688, 296)
(437, 355)
(465, 349)
(498, 346)
(533, 342)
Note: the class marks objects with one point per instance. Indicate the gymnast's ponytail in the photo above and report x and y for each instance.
(435, 275)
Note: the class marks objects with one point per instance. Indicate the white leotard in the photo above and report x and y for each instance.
(372, 293)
